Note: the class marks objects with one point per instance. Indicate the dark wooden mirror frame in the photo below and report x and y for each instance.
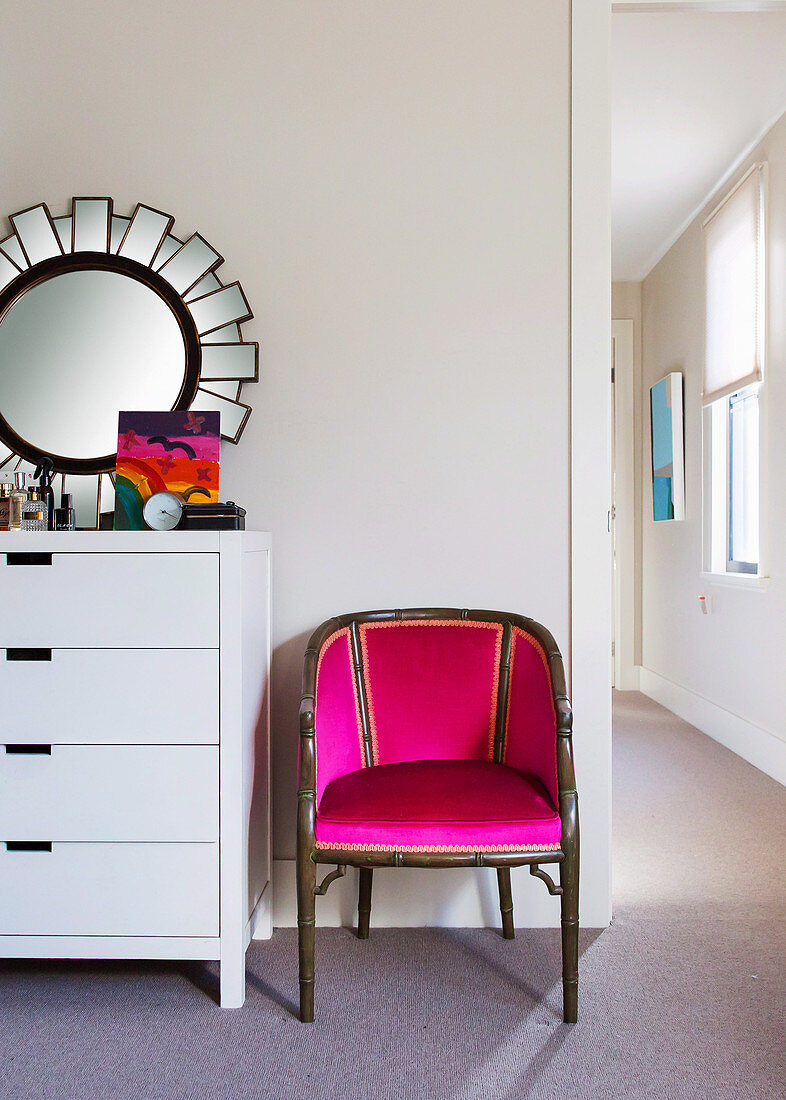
(218, 362)
(103, 261)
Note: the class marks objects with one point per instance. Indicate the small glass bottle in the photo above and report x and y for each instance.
(18, 497)
(6, 488)
(33, 511)
(65, 517)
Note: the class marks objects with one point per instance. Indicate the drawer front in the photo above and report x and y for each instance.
(109, 793)
(113, 600)
(109, 696)
(110, 890)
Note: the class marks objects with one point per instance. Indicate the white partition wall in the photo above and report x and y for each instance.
(391, 182)
(590, 444)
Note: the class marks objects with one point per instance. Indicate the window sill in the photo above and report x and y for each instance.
(750, 581)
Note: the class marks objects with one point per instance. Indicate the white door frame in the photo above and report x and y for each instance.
(590, 441)
(623, 519)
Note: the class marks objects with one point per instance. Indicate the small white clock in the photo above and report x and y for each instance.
(163, 511)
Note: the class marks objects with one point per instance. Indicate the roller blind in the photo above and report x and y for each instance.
(734, 282)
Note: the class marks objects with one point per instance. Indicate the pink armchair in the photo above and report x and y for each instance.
(436, 737)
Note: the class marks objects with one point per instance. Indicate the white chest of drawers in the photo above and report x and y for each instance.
(134, 746)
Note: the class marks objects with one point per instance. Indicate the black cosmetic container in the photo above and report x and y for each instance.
(65, 516)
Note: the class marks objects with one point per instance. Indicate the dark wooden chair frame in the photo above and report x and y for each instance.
(308, 855)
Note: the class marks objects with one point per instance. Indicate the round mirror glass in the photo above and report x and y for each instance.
(77, 348)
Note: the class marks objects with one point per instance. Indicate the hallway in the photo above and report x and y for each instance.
(700, 903)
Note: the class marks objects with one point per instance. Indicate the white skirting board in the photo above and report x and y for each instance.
(260, 923)
(408, 897)
(765, 750)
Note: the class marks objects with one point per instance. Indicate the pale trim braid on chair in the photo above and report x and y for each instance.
(436, 737)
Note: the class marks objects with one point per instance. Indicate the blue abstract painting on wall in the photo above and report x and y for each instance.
(668, 461)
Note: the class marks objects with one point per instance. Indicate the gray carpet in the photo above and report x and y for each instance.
(681, 997)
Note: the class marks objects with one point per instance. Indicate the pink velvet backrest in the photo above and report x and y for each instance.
(531, 726)
(339, 738)
(432, 687)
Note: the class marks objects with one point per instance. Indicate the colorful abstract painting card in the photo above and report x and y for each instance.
(158, 452)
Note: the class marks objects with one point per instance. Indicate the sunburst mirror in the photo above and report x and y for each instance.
(101, 313)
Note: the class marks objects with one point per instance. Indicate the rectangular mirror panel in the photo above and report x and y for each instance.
(194, 260)
(63, 228)
(13, 462)
(92, 222)
(106, 490)
(169, 247)
(84, 490)
(233, 414)
(230, 361)
(203, 287)
(13, 250)
(36, 234)
(230, 389)
(145, 233)
(228, 334)
(119, 227)
(8, 271)
(219, 308)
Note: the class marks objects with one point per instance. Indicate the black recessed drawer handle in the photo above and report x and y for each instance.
(28, 845)
(28, 750)
(28, 559)
(27, 654)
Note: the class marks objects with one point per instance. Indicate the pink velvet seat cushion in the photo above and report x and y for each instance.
(438, 805)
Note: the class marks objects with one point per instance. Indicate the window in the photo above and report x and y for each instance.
(744, 482)
(733, 371)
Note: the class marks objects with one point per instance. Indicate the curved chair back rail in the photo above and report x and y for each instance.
(447, 706)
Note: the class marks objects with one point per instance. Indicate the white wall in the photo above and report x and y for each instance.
(390, 182)
(693, 88)
(725, 671)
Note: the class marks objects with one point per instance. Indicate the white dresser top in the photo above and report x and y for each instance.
(132, 542)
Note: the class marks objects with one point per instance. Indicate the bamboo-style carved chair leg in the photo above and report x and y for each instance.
(506, 902)
(364, 902)
(306, 921)
(569, 879)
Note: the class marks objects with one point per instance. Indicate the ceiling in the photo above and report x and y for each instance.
(691, 92)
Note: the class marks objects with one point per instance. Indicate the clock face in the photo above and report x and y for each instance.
(163, 511)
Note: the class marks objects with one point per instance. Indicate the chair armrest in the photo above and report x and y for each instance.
(566, 776)
(564, 716)
(307, 764)
(307, 716)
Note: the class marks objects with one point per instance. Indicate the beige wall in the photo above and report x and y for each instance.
(626, 306)
(733, 658)
(390, 182)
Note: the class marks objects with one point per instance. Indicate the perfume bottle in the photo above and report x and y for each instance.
(44, 471)
(18, 497)
(65, 516)
(6, 488)
(33, 511)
